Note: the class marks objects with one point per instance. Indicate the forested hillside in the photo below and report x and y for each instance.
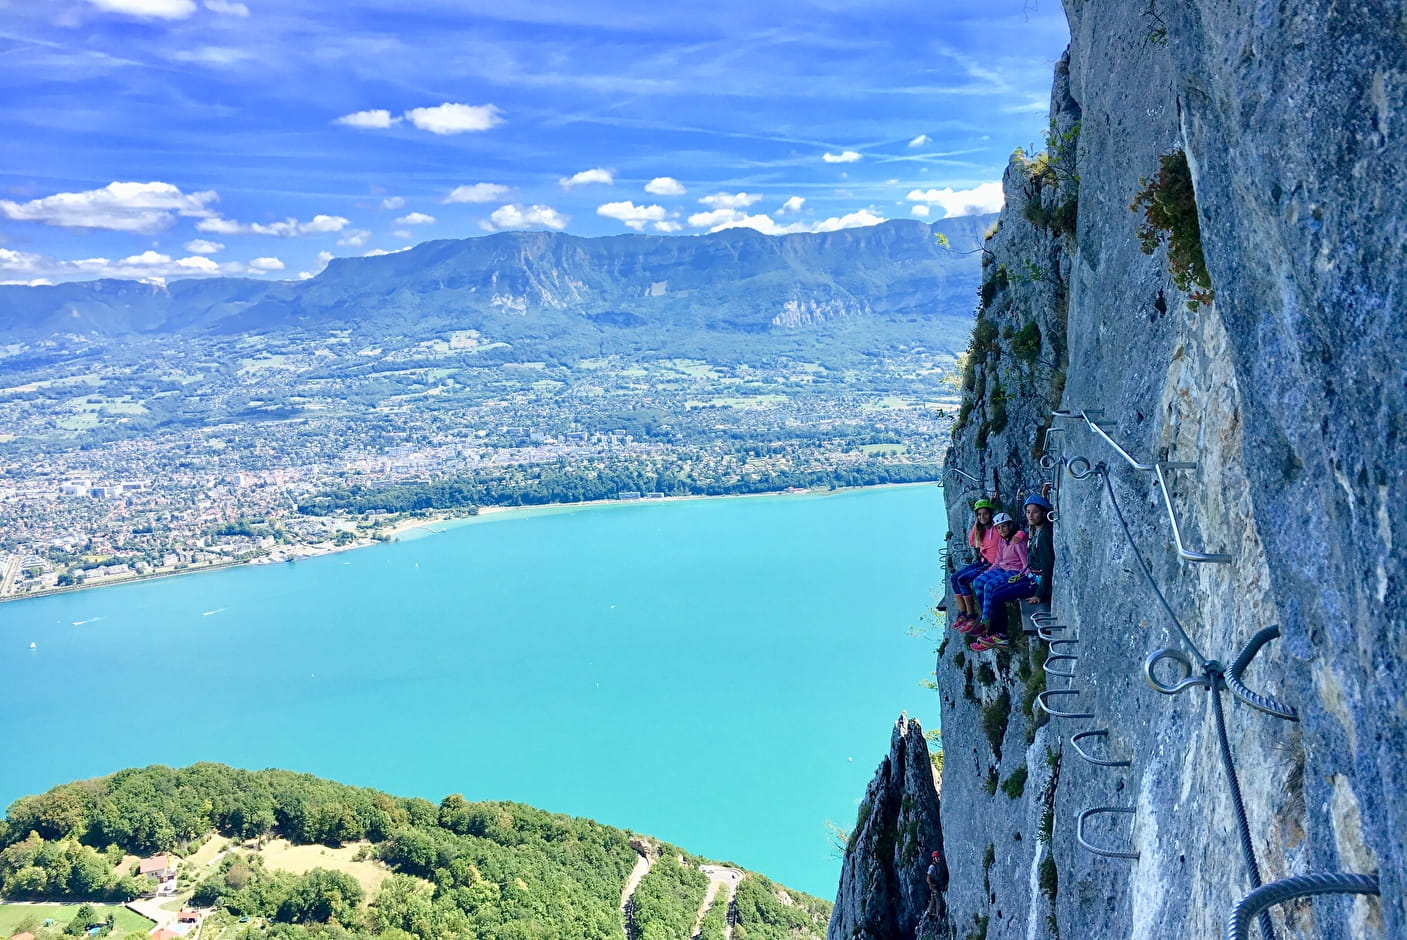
(453, 870)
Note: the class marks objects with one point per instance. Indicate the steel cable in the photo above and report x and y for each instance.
(1287, 889)
(1243, 824)
(1144, 566)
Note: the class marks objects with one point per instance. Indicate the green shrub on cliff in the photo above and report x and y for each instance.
(1169, 206)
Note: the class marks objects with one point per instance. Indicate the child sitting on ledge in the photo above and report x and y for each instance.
(1011, 560)
(1032, 582)
(983, 539)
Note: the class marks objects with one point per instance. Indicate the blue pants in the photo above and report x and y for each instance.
(994, 603)
(986, 582)
(961, 579)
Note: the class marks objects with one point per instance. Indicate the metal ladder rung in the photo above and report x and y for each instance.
(1101, 733)
(1040, 700)
(1084, 843)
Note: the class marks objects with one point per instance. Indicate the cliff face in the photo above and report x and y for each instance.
(1281, 402)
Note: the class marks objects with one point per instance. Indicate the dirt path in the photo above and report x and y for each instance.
(718, 878)
(648, 853)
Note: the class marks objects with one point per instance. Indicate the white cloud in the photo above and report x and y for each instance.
(322, 224)
(227, 7)
(319, 225)
(845, 156)
(667, 226)
(266, 264)
(793, 204)
(214, 56)
(985, 197)
(720, 219)
(730, 200)
(201, 246)
(317, 267)
(416, 218)
(149, 265)
(478, 192)
(392, 202)
(32, 282)
(451, 118)
(402, 233)
(665, 186)
(516, 216)
(368, 119)
(921, 211)
(585, 177)
(631, 215)
(378, 252)
(122, 207)
(863, 218)
(920, 140)
(148, 9)
(354, 238)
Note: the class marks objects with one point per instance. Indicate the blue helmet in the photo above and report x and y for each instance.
(1035, 499)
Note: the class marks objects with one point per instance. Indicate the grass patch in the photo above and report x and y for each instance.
(994, 720)
(894, 448)
(990, 786)
(127, 923)
(1015, 785)
(1026, 343)
(301, 859)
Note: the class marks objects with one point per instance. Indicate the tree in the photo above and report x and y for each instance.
(321, 896)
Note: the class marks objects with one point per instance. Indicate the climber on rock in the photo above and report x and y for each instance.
(1031, 583)
(985, 542)
(937, 877)
(1011, 560)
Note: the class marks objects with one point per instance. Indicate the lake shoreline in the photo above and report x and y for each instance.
(416, 529)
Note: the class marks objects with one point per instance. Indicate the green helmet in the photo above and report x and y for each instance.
(982, 504)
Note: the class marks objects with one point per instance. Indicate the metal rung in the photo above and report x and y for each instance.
(1217, 558)
(1071, 641)
(962, 473)
(1057, 672)
(1084, 843)
(1040, 700)
(1044, 632)
(1102, 733)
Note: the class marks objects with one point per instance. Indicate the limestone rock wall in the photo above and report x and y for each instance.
(883, 892)
(1286, 393)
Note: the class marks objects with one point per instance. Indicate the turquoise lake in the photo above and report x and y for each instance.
(720, 673)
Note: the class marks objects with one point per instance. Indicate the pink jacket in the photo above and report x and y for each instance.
(991, 543)
(1012, 555)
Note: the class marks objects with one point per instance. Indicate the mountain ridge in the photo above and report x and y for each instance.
(548, 283)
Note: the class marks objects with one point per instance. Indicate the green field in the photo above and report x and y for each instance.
(129, 923)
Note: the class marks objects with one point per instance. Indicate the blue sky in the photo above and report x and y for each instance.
(177, 138)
